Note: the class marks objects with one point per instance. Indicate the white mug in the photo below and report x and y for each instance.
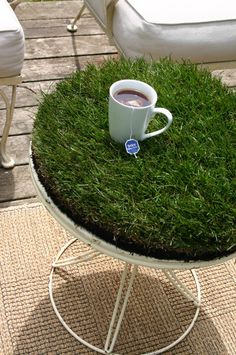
(126, 122)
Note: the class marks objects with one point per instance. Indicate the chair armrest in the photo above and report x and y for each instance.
(103, 11)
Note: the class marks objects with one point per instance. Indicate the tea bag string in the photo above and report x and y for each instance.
(131, 125)
(131, 122)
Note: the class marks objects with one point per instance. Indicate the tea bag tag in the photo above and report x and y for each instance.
(132, 147)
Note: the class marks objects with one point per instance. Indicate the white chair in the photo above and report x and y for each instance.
(11, 62)
(14, 3)
(201, 31)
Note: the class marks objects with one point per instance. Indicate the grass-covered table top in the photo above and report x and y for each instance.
(177, 199)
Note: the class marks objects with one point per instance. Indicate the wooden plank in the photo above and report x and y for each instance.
(18, 148)
(22, 122)
(67, 46)
(20, 202)
(58, 68)
(16, 184)
(58, 28)
(48, 9)
(29, 94)
(227, 76)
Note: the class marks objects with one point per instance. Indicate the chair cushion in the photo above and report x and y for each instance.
(11, 42)
(204, 31)
(179, 11)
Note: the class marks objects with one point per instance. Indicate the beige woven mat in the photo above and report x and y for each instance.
(156, 312)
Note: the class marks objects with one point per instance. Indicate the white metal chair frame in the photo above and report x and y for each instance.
(5, 159)
(109, 9)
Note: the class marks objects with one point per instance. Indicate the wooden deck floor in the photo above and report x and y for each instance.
(51, 55)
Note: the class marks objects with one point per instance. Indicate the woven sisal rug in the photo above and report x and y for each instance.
(156, 313)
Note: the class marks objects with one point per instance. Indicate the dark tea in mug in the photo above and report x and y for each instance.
(132, 98)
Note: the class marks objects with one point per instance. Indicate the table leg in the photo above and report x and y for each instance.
(123, 294)
(170, 274)
(86, 256)
(108, 348)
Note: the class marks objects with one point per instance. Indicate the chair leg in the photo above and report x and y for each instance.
(5, 159)
(14, 3)
(72, 26)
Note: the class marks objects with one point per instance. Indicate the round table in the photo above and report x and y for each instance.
(132, 259)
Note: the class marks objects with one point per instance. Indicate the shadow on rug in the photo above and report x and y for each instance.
(156, 315)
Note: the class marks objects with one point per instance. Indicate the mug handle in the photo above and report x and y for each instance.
(169, 116)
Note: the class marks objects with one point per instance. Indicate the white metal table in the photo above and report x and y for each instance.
(131, 262)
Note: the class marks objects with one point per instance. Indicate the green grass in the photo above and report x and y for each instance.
(178, 197)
